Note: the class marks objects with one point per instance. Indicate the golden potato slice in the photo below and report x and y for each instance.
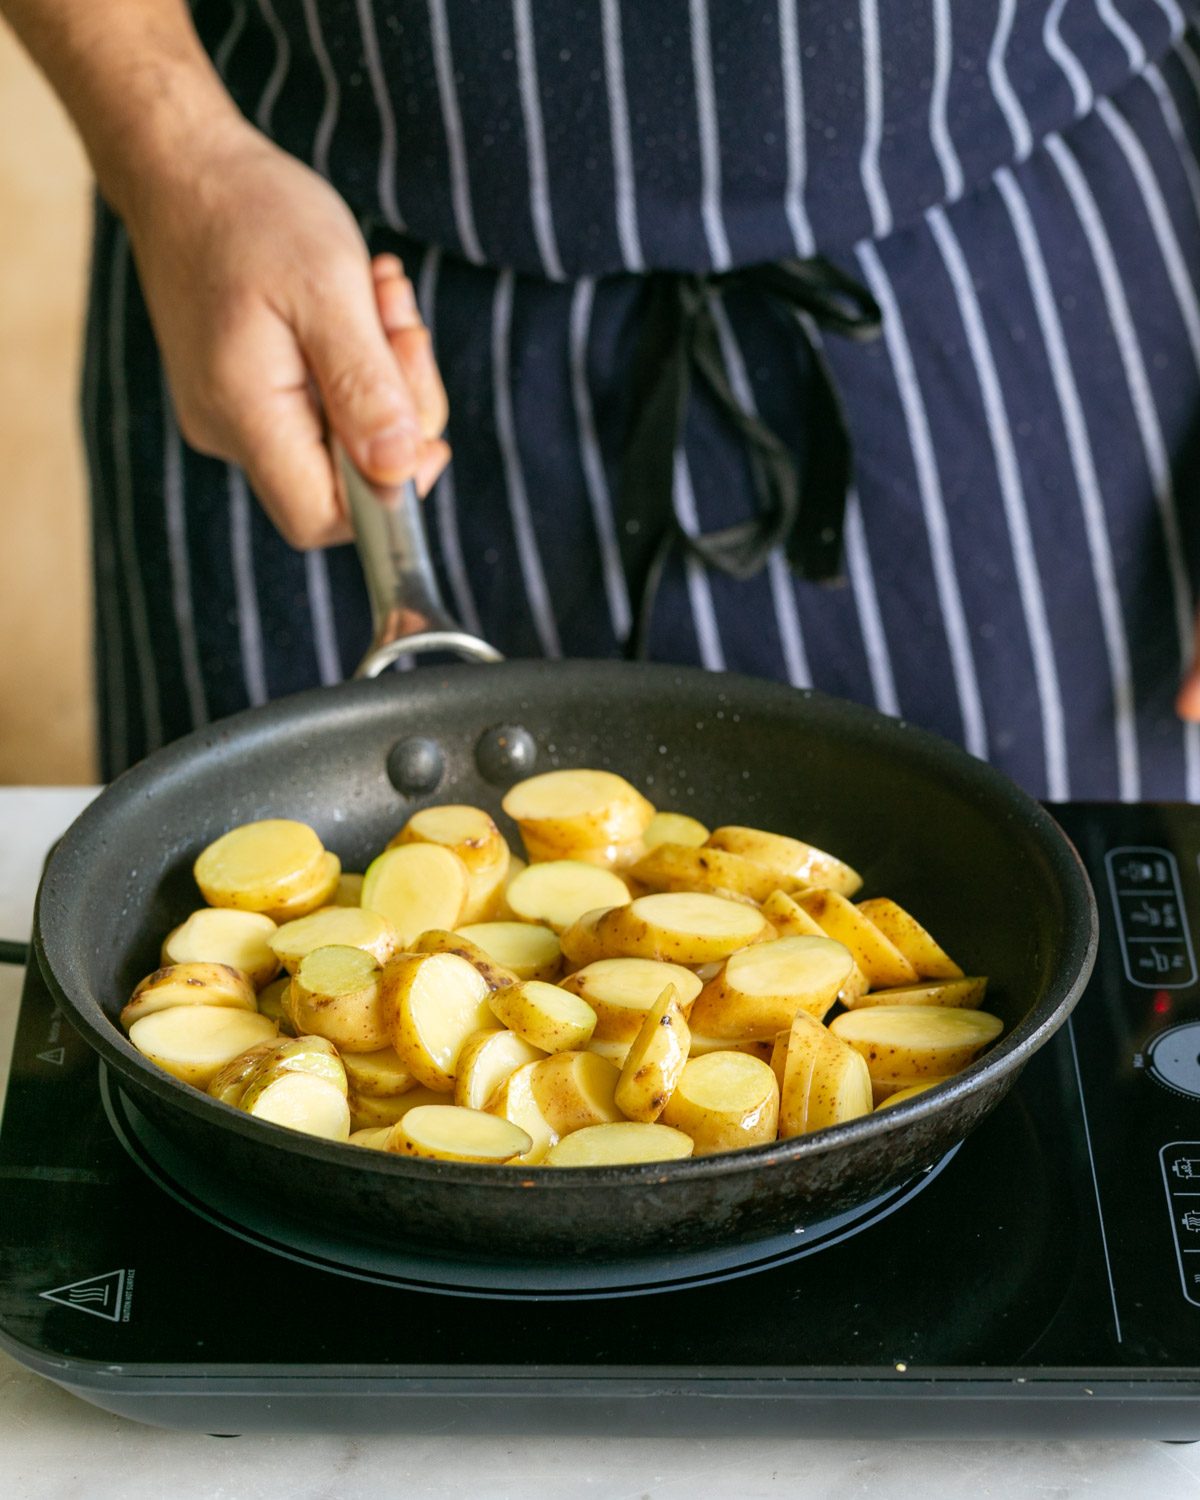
(900, 927)
(448, 1132)
(674, 828)
(572, 810)
(229, 1083)
(348, 891)
(334, 926)
(515, 1100)
(685, 927)
(911, 1092)
(260, 865)
(761, 988)
(558, 892)
(194, 1042)
(417, 887)
(189, 984)
(240, 1079)
(790, 920)
(789, 857)
(682, 867)
(724, 1101)
(622, 1144)
(373, 1137)
(486, 1060)
(336, 992)
(271, 1003)
(373, 1111)
(702, 1045)
(825, 1081)
(623, 990)
(778, 1057)
(528, 952)
(583, 942)
(547, 1017)
(967, 992)
(439, 940)
(380, 1074)
(470, 833)
(433, 1002)
(502, 912)
(575, 1089)
(904, 1044)
(223, 935)
(616, 857)
(656, 1061)
(314, 896)
(880, 960)
(300, 1101)
(615, 1052)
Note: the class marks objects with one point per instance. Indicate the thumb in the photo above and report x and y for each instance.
(1187, 700)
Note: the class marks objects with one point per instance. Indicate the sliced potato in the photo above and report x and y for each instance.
(686, 927)
(271, 1003)
(656, 1061)
(348, 891)
(301, 1101)
(373, 1137)
(674, 828)
(470, 833)
(313, 897)
(900, 927)
(558, 892)
(260, 865)
(336, 992)
(615, 1052)
(682, 867)
(379, 1074)
(584, 942)
(223, 935)
(334, 926)
(240, 1080)
(878, 957)
(724, 1101)
(702, 1045)
(622, 1144)
(761, 988)
(549, 1018)
(789, 857)
(502, 911)
(528, 952)
(448, 1132)
(189, 984)
(374, 1111)
(904, 1044)
(433, 1002)
(574, 1090)
(778, 1058)
(911, 1092)
(574, 810)
(486, 1060)
(515, 1100)
(790, 920)
(616, 857)
(194, 1042)
(825, 1081)
(623, 990)
(417, 887)
(229, 1084)
(967, 992)
(439, 940)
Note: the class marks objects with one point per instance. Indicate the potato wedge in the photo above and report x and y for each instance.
(790, 920)
(682, 867)
(240, 1080)
(911, 1092)
(373, 1137)
(622, 992)
(724, 1101)
(685, 927)
(528, 952)
(547, 1017)
(622, 1144)
(417, 887)
(880, 960)
(574, 810)
(432, 1003)
(574, 1090)
(194, 1042)
(260, 865)
(189, 984)
(515, 1100)
(336, 992)
(313, 897)
(223, 935)
(300, 1101)
(471, 834)
(486, 1060)
(778, 1058)
(271, 1003)
(656, 1061)
(448, 1132)
(380, 1074)
(334, 926)
(900, 927)
(557, 893)
(760, 989)
(373, 1111)
(904, 1044)
(789, 857)
(674, 828)
(967, 992)
(825, 1081)
(348, 891)
(439, 940)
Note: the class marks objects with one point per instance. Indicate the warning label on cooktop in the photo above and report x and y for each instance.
(1156, 946)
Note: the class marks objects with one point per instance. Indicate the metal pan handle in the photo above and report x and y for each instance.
(407, 611)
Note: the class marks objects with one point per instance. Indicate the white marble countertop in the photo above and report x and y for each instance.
(54, 1445)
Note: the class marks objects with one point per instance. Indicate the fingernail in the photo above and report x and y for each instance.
(390, 453)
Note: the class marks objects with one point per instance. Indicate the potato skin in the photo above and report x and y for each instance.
(749, 1119)
(656, 1061)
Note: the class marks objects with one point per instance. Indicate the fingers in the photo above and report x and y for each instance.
(1187, 700)
(410, 343)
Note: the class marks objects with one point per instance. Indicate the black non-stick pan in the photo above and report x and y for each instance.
(983, 865)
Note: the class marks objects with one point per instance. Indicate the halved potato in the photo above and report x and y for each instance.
(615, 1052)
(374, 1111)
(911, 1092)
(674, 828)
(790, 920)
(239, 1080)
(515, 1100)
(686, 927)
(417, 887)
(380, 1074)
(314, 896)
(621, 1144)
(334, 926)
(617, 857)
(486, 1060)
(574, 1090)
(724, 1101)
(900, 927)
(528, 952)
(702, 1045)
(271, 1003)
(656, 1061)
(878, 957)
(194, 1042)
(224, 935)
(547, 1017)
(682, 867)
(189, 984)
(448, 1132)
(904, 1044)
(574, 810)
(967, 992)
(259, 865)
(348, 891)
(761, 988)
(502, 912)
(373, 1137)
(789, 857)
(439, 940)
(470, 833)
(300, 1101)
(433, 1002)
(229, 1083)
(825, 1081)
(778, 1058)
(336, 992)
(558, 892)
(623, 990)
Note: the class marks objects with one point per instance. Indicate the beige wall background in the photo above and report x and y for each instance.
(45, 605)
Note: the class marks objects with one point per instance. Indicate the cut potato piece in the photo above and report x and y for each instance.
(222, 935)
(348, 891)
(336, 993)
(470, 833)
(623, 1144)
(320, 893)
(379, 1074)
(790, 920)
(789, 857)
(194, 1042)
(301, 1101)
(623, 990)
(334, 926)
(904, 1044)
(574, 1090)
(417, 887)
(686, 927)
(573, 810)
(229, 1083)
(559, 892)
(616, 857)
(967, 992)
(447, 1132)
(681, 867)
(760, 989)
(724, 1101)
(880, 960)
(615, 1052)
(438, 940)
(239, 1081)
(515, 1100)
(486, 1060)
(502, 912)
(825, 1081)
(656, 1061)
(778, 1059)
(433, 1003)
(373, 1137)
(372, 1111)
(674, 828)
(901, 1096)
(189, 984)
(900, 927)
(259, 866)
(702, 1045)
(271, 1003)
(528, 952)
(547, 1017)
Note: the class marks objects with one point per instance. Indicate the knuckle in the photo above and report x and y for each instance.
(361, 391)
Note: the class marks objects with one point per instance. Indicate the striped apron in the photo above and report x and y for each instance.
(1015, 181)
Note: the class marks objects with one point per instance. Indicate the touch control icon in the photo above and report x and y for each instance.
(1156, 946)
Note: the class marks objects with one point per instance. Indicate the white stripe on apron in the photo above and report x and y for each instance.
(254, 672)
(704, 615)
(385, 176)
(1009, 104)
(868, 162)
(939, 131)
(452, 125)
(622, 141)
(1073, 70)
(709, 138)
(793, 114)
(175, 514)
(535, 142)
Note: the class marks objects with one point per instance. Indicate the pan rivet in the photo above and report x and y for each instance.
(505, 753)
(415, 765)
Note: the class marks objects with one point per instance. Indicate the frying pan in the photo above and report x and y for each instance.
(978, 861)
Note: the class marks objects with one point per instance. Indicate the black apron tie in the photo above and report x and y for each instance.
(678, 340)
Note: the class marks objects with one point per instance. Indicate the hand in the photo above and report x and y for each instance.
(1187, 700)
(273, 323)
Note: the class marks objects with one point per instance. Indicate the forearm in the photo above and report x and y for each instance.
(134, 79)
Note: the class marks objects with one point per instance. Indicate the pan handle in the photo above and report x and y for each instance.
(407, 611)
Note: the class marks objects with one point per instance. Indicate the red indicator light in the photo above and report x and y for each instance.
(1162, 1003)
